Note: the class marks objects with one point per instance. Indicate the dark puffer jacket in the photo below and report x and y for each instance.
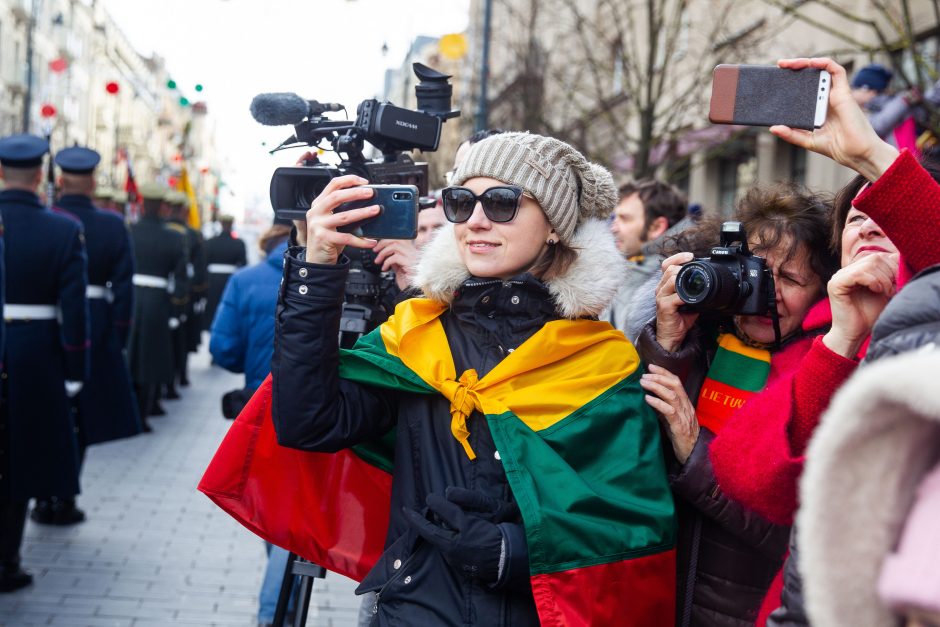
(486, 321)
(727, 555)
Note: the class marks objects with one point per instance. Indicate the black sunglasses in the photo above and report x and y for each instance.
(500, 203)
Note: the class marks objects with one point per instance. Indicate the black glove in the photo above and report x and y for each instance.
(470, 538)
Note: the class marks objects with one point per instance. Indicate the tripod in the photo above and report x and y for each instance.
(297, 567)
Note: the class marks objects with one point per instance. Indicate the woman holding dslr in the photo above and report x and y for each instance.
(727, 555)
(527, 476)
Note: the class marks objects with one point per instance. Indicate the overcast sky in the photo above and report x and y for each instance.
(328, 50)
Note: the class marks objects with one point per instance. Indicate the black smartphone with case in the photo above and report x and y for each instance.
(765, 95)
(397, 218)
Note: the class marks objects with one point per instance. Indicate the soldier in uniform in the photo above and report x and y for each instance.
(45, 358)
(106, 407)
(225, 254)
(191, 323)
(159, 288)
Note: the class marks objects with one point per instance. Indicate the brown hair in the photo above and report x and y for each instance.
(555, 262)
(659, 200)
(275, 234)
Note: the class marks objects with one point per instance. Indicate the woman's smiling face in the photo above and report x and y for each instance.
(501, 249)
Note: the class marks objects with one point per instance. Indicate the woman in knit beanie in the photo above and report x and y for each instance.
(527, 481)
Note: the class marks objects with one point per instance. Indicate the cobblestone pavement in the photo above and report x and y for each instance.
(154, 551)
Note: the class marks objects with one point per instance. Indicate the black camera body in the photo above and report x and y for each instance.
(730, 281)
(389, 128)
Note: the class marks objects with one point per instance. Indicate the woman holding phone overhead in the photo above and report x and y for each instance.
(527, 480)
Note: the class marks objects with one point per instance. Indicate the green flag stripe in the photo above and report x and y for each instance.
(592, 488)
(368, 362)
(740, 371)
(379, 453)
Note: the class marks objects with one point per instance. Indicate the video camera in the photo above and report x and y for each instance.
(730, 281)
(389, 128)
(392, 130)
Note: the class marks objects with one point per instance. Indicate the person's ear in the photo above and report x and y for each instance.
(656, 228)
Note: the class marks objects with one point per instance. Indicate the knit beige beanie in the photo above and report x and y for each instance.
(569, 188)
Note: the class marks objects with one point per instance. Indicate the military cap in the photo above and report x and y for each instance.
(153, 191)
(22, 151)
(120, 196)
(105, 192)
(77, 160)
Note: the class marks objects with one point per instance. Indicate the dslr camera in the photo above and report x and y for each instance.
(731, 281)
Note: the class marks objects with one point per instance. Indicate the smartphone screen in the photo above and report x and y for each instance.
(765, 95)
(398, 218)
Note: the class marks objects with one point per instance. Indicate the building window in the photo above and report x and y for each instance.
(735, 174)
(797, 165)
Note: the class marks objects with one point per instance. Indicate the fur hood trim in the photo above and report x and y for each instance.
(583, 292)
(876, 441)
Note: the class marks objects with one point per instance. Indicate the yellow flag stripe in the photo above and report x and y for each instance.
(563, 366)
(729, 342)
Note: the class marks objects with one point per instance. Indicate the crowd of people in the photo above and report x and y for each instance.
(100, 314)
(549, 467)
(542, 431)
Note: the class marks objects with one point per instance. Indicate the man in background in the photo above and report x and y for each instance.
(648, 211)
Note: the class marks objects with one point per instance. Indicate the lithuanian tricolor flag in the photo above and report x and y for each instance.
(580, 447)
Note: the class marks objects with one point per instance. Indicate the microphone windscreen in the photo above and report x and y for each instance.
(279, 109)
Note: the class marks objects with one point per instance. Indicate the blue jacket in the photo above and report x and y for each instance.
(243, 329)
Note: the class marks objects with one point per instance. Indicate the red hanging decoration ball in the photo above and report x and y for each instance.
(47, 111)
(112, 87)
(58, 65)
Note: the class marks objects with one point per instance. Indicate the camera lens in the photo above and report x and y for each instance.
(696, 283)
(707, 285)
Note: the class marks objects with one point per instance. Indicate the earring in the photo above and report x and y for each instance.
(550, 242)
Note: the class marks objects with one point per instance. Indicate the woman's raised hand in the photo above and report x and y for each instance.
(847, 136)
(672, 325)
(324, 243)
(668, 397)
(858, 293)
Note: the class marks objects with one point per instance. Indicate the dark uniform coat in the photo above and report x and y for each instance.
(221, 250)
(196, 271)
(107, 407)
(45, 265)
(159, 252)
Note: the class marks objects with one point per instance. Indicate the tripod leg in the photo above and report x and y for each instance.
(303, 602)
(287, 584)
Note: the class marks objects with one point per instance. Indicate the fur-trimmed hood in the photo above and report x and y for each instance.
(878, 438)
(583, 292)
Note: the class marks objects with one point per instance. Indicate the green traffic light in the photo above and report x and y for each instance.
(171, 84)
(198, 86)
(184, 101)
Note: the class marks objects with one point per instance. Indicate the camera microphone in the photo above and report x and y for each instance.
(285, 108)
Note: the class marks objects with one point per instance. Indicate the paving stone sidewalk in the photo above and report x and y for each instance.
(154, 551)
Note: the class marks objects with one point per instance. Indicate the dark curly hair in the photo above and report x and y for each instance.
(775, 215)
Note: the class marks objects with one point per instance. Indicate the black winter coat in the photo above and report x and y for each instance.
(314, 409)
(727, 555)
